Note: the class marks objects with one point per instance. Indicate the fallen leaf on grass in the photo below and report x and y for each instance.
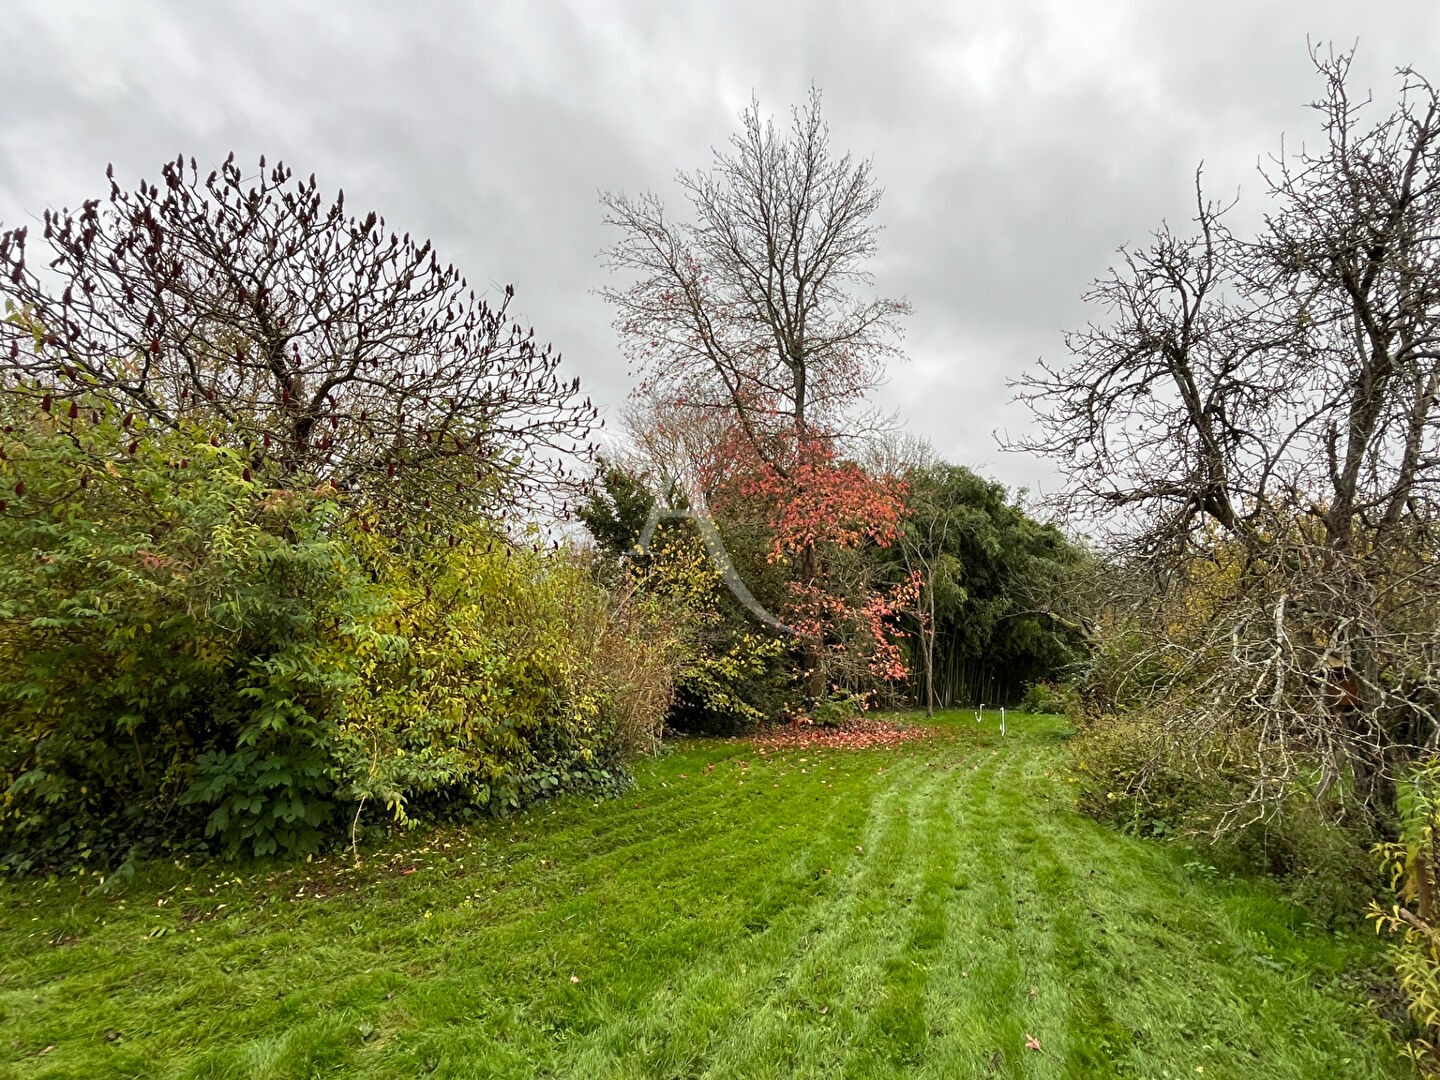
(1031, 1042)
(855, 735)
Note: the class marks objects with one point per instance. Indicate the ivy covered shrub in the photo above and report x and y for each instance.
(193, 655)
(731, 675)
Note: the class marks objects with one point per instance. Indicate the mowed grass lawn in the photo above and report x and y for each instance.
(918, 911)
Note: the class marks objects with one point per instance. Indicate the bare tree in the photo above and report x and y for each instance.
(751, 307)
(1259, 418)
(334, 347)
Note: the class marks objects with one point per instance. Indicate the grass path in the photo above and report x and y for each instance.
(909, 912)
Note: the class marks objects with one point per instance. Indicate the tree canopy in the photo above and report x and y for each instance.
(753, 307)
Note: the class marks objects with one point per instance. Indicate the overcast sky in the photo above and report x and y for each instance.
(1019, 142)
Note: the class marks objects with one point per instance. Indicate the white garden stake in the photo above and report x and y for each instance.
(979, 711)
(1002, 719)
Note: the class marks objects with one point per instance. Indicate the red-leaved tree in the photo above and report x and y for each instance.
(825, 517)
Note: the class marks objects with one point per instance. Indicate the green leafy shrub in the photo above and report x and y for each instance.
(1129, 776)
(1056, 699)
(728, 668)
(1321, 861)
(837, 709)
(192, 655)
(172, 642)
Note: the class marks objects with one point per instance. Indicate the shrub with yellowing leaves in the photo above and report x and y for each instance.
(497, 673)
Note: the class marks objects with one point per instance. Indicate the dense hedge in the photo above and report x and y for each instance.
(192, 654)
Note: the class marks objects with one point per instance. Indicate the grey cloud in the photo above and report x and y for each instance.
(1019, 143)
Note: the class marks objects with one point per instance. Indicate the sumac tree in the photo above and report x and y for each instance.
(332, 346)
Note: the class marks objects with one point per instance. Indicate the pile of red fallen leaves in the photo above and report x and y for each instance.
(853, 735)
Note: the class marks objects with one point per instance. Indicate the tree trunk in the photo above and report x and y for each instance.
(812, 651)
(927, 631)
